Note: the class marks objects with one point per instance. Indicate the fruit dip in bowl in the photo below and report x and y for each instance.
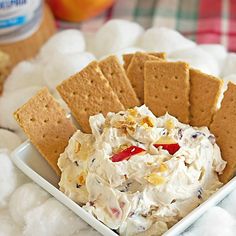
(139, 174)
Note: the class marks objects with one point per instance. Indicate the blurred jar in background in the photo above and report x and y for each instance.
(19, 19)
(78, 10)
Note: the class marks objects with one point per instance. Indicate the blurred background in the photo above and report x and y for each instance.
(205, 21)
(26, 24)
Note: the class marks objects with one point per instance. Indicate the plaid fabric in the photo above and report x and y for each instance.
(204, 21)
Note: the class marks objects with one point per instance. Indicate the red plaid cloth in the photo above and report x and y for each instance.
(217, 23)
(204, 21)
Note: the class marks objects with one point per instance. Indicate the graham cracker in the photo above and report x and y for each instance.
(223, 127)
(128, 57)
(135, 72)
(88, 93)
(46, 125)
(115, 74)
(166, 88)
(161, 55)
(204, 94)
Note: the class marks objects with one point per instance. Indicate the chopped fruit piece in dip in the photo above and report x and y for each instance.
(137, 173)
(155, 179)
(169, 124)
(126, 154)
(148, 121)
(171, 148)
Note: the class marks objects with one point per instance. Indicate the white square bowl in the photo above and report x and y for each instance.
(29, 160)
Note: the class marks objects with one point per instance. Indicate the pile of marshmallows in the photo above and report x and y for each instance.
(25, 209)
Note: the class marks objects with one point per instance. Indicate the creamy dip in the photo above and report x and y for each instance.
(139, 174)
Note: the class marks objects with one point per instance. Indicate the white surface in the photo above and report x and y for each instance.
(35, 197)
(218, 51)
(164, 40)
(55, 219)
(9, 140)
(66, 42)
(229, 66)
(25, 74)
(10, 178)
(35, 167)
(8, 228)
(194, 56)
(63, 66)
(229, 204)
(212, 224)
(114, 36)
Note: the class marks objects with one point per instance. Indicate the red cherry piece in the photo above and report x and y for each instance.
(126, 154)
(115, 212)
(171, 148)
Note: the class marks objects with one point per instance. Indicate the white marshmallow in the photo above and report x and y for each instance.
(125, 51)
(116, 35)
(8, 178)
(24, 199)
(89, 39)
(7, 226)
(63, 66)
(10, 102)
(229, 66)
(88, 232)
(229, 204)
(218, 51)
(52, 218)
(64, 42)
(197, 58)
(164, 40)
(25, 74)
(215, 221)
(9, 139)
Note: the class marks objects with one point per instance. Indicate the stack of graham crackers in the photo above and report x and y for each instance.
(107, 86)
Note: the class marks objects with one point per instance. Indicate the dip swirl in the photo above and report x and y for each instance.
(139, 174)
